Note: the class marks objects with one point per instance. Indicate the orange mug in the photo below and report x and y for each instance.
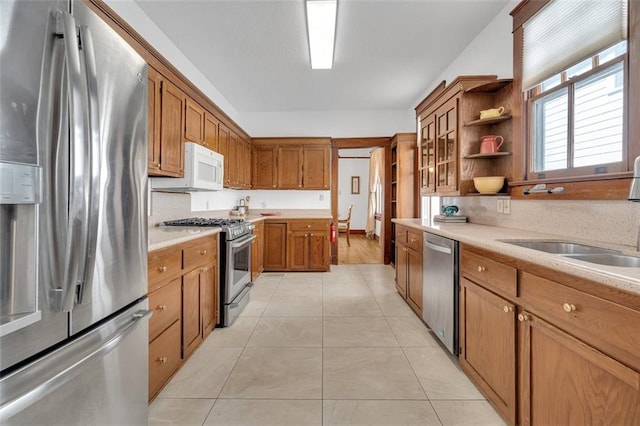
(491, 144)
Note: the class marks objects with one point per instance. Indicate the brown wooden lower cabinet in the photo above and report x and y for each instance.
(257, 251)
(488, 345)
(548, 348)
(164, 358)
(296, 245)
(567, 382)
(191, 313)
(184, 295)
(275, 246)
(409, 267)
(209, 296)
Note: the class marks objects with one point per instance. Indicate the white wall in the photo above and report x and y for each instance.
(131, 12)
(348, 167)
(491, 52)
(338, 124)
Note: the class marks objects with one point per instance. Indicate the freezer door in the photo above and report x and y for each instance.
(98, 378)
(115, 271)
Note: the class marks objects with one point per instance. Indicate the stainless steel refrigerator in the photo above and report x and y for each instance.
(73, 222)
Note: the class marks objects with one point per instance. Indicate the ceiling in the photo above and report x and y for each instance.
(388, 52)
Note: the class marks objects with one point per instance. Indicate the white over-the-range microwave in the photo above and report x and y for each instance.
(203, 171)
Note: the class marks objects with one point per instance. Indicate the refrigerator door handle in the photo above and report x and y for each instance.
(78, 197)
(49, 377)
(93, 147)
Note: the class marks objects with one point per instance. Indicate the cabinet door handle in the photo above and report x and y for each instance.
(311, 235)
(204, 269)
(162, 307)
(523, 317)
(162, 269)
(163, 360)
(203, 252)
(569, 307)
(507, 309)
(481, 268)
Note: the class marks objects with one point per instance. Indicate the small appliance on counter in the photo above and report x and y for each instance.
(235, 262)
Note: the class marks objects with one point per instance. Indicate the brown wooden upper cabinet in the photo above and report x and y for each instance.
(291, 163)
(166, 118)
(264, 167)
(450, 132)
(211, 132)
(194, 122)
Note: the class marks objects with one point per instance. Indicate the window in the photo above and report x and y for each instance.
(577, 66)
(577, 116)
(379, 197)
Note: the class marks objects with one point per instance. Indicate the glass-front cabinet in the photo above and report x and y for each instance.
(450, 135)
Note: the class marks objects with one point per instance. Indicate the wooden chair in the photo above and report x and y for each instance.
(344, 225)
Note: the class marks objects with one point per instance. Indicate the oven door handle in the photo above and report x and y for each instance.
(236, 244)
(241, 295)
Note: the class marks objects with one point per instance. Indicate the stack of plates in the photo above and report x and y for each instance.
(450, 219)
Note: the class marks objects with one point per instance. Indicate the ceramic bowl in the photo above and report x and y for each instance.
(488, 184)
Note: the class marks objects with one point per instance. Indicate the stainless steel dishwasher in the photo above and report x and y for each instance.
(440, 288)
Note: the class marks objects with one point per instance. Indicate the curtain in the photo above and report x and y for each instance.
(376, 173)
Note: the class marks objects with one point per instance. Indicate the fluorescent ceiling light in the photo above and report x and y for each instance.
(321, 27)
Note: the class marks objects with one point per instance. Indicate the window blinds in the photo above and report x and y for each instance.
(567, 31)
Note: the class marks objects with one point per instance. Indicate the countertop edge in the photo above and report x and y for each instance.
(162, 237)
(488, 237)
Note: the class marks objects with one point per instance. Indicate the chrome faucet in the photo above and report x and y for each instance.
(634, 189)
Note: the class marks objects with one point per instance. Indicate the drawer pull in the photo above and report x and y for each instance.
(162, 269)
(523, 317)
(482, 268)
(507, 309)
(569, 307)
(163, 360)
(162, 307)
(203, 252)
(204, 269)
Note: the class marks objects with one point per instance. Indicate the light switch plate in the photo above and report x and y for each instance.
(500, 205)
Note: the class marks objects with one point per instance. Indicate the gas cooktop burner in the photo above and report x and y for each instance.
(231, 228)
(200, 221)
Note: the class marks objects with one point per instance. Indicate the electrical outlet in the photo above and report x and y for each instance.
(321, 197)
(500, 206)
(507, 206)
(263, 205)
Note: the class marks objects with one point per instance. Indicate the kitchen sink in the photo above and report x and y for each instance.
(608, 259)
(583, 252)
(560, 247)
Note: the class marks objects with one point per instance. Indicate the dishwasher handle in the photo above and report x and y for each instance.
(445, 250)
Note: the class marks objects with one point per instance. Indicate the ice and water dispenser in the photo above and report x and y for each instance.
(20, 193)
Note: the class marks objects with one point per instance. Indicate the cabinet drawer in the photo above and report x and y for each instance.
(601, 323)
(164, 265)
(414, 240)
(164, 358)
(401, 235)
(304, 225)
(200, 252)
(489, 273)
(165, 303)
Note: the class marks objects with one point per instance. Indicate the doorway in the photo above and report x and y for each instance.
(359, 237)
(363, 249)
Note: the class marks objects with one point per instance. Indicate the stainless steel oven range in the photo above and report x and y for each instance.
(235, 262)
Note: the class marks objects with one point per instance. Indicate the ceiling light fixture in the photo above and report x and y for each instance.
(321, 28)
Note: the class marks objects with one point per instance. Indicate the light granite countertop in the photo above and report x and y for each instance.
(164, 236)
(488, 237)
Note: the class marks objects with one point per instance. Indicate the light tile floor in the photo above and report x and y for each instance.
(335, 348)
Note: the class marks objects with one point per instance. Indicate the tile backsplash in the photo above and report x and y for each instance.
(614, 222)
